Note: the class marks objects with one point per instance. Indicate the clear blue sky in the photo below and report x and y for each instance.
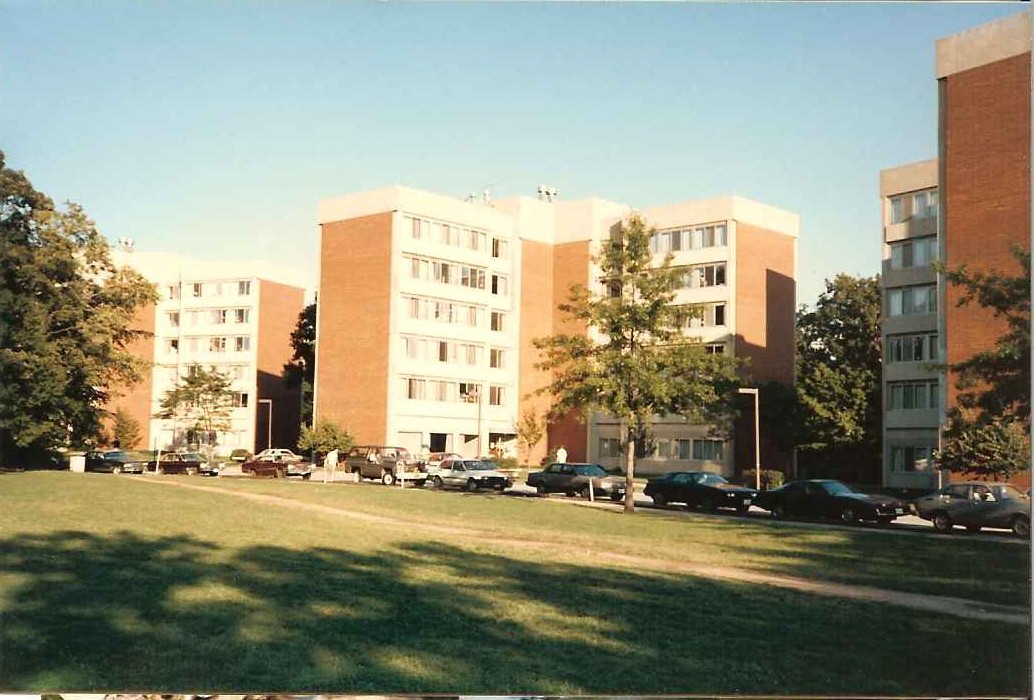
(213, 129)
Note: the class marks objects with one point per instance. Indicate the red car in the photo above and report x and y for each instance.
(276, 467)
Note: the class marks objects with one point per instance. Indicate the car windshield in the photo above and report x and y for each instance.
(589, 470)
(487, 464)
(191, 456)
(1007, 492)
(835, 488)
(710, 479)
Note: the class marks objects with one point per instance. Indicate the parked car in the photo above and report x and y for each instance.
(703, 490)
(178, 463)
(119, 462)
(276, 467)
(573, 478)
(827, 498)
(975, 505)
(385, 462)
(240, 455)
(284, 454)
(470, 474)
(435, 459)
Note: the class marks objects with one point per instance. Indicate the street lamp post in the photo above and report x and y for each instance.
(757, 435)
(269, 423)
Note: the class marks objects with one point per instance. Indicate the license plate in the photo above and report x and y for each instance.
(899, 511)
(746, 501)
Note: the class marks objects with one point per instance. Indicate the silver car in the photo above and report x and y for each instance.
(977, 504)
(470, 474)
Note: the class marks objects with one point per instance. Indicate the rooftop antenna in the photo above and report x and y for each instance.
(546, 193)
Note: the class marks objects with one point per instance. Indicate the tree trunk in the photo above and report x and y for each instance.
(630, 476)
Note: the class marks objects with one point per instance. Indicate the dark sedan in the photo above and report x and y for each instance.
(574, 479)
(178, 463)
(826, 498)
(119, 462)
(702, 490)
(276, 467)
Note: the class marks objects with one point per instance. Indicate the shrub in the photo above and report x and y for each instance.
(770, 478)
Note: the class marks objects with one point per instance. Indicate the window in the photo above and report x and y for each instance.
(242, 343)
(897, 210)
(193, 344)
(415, 388)
(909, 396)
(241, 315)
(910, 458)
(498, 321)
(173, 291)
(703, 276)
(708, 449)
(240, 399)
(719, 314)
(196, 289)
(217, 344)
(244, 288)
(496, 358)
(415, 229)
(500, 248)
(499, 285)
(174, 319)
(218, 316)
(918, 252)
(495, 395)
(172, 345)
(610, 448)
(443, 351)
(683, 449)
(924, 204)
(913, 300)
(919, 347)
(216, 288)
(715, 348)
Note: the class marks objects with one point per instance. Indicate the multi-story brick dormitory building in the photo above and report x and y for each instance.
(428, 306)
(970, 206)
(232, 316)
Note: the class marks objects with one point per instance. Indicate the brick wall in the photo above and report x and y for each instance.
(354, 311)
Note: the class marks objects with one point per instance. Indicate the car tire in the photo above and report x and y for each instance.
(1021, 527)
(942, 522)
(306, 476)
(584, 493)
(500, 487)
(884, 521)
(659, 499)
(116, 470)
(471, 485)
(437, 482)
(974, 528)
(778, 511)
(848, 516)
(617, 497)
(387, 478)
(707, 505)
(280, 473)
(540, 489)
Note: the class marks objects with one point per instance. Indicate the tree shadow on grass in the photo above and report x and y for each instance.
(87, 612)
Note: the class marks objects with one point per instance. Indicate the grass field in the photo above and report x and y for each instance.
(118, 583)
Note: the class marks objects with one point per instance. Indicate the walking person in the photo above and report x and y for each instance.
(330, 466)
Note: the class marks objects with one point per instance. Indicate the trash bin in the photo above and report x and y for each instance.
(77, 461)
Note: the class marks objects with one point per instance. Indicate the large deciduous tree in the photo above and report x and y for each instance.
(300, 372)
(988, 428)
(839, 375)
(200, 402)
(66, 316)
(636, 361)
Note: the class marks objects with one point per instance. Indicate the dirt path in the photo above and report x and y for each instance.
(959, 607)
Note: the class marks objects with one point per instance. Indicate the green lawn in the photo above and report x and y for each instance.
(112, 583)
